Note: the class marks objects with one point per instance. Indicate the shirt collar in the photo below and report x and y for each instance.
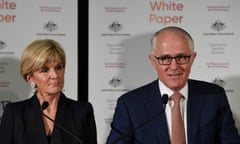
(165, 90)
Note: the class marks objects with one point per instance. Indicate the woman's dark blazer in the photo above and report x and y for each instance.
(22, 123)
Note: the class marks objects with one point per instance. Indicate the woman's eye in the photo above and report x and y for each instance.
(59, 67)
(43, 69)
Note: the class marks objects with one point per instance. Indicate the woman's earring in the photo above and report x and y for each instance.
(33, 86)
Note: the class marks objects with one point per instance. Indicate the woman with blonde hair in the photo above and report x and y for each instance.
(48, 117)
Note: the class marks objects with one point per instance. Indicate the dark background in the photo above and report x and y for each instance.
(83, 8)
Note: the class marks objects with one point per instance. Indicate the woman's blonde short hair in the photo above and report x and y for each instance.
(38, 53)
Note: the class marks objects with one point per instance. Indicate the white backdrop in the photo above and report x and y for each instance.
(21, 22)
(119, 43)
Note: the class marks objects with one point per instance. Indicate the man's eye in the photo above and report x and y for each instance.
(180, 57)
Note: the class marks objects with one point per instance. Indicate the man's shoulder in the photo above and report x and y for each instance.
(141, 91)
(144, 87)
(204, 85)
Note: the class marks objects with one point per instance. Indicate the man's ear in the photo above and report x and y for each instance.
(194, 55)
(153, 61)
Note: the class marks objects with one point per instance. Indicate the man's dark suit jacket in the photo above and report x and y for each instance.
(139, 116)
(22, 123)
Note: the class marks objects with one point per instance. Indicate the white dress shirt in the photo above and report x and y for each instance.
(183, 106)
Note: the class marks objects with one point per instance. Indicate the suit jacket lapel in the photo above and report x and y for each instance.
(33, 123)
(64, 118)
(194, 111)
(154, 109)
(154, 106)
(58, 135)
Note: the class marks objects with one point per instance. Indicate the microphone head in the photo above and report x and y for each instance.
(44, 105)
(165, 98)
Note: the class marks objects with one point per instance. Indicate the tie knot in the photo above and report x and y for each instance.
(176, 97)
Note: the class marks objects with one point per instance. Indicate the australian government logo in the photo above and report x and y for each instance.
(51, 29)
(221, 82)
(218, 28)
(50, 26)
(115, 29)
(115, 84)
(3, 47)
(115, 26)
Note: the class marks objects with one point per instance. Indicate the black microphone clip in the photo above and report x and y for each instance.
(165, 99)
(44, 106)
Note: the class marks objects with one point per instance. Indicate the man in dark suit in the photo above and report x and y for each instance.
(143, 115)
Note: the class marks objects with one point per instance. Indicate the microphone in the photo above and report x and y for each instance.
(43, 107)
(164, 100)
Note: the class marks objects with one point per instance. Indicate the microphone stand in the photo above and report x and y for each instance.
(44, 106)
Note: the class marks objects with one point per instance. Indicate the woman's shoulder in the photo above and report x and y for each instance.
(19, 104)
(78, 104)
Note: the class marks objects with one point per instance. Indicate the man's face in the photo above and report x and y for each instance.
(172, 44)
